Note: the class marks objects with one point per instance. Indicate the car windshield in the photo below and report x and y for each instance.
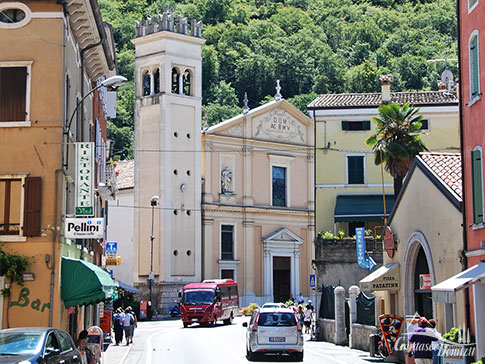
(276, 319)
(20, 343)
(198, 297)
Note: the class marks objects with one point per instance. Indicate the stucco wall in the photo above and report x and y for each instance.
(327, 330)
(360, 336)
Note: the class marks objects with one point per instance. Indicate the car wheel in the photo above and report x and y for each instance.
(251, 355)
(229, 320)
(299, 356)
(186, 324)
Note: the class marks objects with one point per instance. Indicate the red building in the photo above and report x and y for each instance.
(471, 25)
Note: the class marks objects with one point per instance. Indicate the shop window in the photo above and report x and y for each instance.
(156, 81)
(278, 186)
(16, 219)
(227, 242)
(175, 80)
(14, 82)
(146, 83)
(355, 169)
(187, 83)
(477, 186)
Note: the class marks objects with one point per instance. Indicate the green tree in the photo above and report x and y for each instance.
(397, 140)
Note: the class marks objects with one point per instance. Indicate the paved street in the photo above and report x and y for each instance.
(168, 342)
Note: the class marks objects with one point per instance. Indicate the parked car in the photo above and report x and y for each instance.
(274, 330)
(273, 305)
(42, 345)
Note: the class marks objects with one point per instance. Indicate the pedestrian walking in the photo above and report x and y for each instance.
(421, 340)
(300, 299)
(128, 323)
(118, 318)
(87, 356)
(308, 316)
(301, 314)
(134, 324)
(435, 345)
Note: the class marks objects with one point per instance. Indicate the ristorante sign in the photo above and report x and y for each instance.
(84, 179)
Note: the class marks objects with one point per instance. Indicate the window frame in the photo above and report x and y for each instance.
(477, 188)
(364, 179)
(282, 161)
(473, 6)
(19, 6)
(474, 65)
(28, 78)
(346, 125)
(221, 255)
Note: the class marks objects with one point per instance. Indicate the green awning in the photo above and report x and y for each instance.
(83, 283)
(350, 208)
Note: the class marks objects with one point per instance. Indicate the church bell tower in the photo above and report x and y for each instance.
(168, 96)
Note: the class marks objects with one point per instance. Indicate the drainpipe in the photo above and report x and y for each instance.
(463, 258)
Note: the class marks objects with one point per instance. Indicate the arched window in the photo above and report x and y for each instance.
(146, 83)
(187, 83)
(156, 81)
(175, 80)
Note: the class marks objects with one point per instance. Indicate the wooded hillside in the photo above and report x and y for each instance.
(311, 46)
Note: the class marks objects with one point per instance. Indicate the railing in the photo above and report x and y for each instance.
(9, 229)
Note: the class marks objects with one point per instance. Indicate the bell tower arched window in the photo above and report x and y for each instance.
(156, 81)
(175, 80)
(187, 83)
(146, 83)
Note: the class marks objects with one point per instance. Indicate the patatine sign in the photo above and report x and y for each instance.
(280, 125)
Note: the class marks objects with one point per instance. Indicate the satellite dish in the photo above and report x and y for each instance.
(447, 76)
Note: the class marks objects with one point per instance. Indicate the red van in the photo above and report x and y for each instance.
(209, 301)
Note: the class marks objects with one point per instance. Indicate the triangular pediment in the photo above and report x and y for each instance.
(282, 235)
(275, 121)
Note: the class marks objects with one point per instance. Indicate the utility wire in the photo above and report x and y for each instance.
(30, 33)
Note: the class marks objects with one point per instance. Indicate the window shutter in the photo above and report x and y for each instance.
(366, 125)
(345, 125)
(477, 186)
(355, 169)
(32, 206)
(474, 66)
(13, 85)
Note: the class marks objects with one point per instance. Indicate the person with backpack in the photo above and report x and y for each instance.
(118, 318)
(128, 323)
(134, 322)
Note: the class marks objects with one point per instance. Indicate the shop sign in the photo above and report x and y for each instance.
(390, 327)
(80, 228)
(389, 242)
(113, 261)
(143, 309)
(364, 261)
(425, 281)
(84, 179)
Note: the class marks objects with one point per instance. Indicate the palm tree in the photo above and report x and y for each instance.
(397, 140)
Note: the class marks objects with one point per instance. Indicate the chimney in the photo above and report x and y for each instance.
(386, 88)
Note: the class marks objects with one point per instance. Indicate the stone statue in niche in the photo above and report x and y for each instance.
(226, 180)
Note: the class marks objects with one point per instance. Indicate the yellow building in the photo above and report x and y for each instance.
(56, 54)
(258, 202)
(348, 185)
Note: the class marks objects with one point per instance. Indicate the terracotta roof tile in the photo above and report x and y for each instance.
(447, 166)
(420, 98)
(125, 176)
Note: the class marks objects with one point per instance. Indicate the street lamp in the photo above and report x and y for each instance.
(151, 275)
(113, 81)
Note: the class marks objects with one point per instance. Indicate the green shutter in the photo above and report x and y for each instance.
(345, 125)
(477, 186)
(474, 66)
(355, 165)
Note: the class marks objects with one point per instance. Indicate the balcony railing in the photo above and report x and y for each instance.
(9, 229)
(108, 188)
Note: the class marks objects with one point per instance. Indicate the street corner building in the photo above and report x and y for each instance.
(53, 106)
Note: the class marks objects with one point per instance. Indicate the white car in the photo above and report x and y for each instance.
(274, 330)
(273, 305)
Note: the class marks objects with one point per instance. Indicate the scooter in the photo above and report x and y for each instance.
(175, 310)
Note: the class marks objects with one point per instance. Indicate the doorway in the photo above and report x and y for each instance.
(281, 278)
(423, 301)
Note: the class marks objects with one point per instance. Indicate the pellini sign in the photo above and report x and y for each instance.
(78, 228)
(84, 179)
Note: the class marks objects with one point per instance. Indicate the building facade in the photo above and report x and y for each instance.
(258, 202)
(57, 54)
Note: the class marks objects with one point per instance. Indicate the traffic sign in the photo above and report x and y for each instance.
(312, 280)
(113, 261)
(111, 247)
